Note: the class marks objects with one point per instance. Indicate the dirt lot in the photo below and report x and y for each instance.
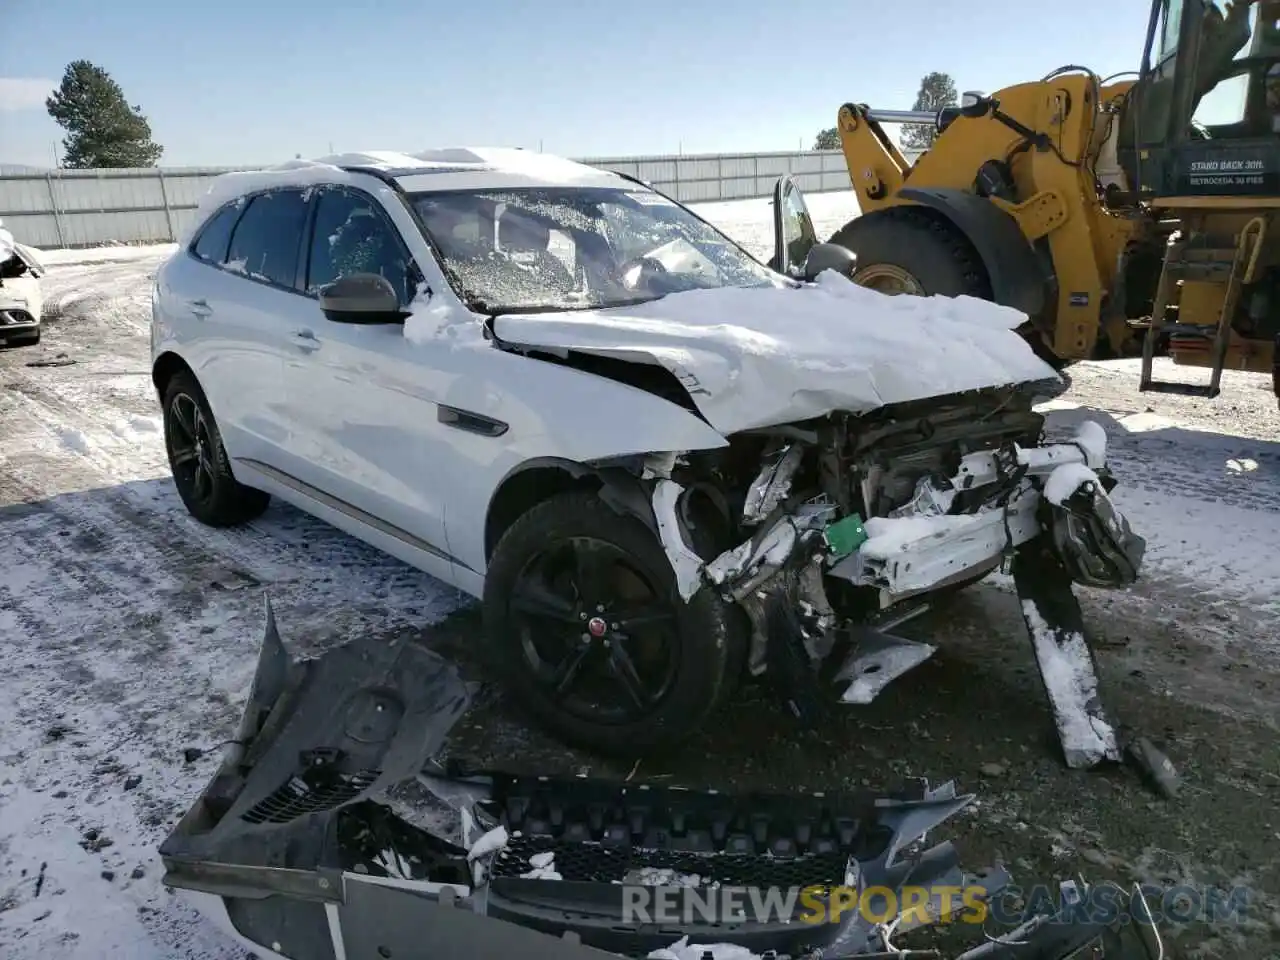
(129, 633)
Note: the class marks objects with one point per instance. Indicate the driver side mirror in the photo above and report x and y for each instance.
(829, 256)
(361, 298)
(793, 232)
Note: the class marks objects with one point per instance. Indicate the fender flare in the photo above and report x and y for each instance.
(1016, 274)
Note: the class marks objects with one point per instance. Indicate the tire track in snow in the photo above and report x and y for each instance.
(138, 491)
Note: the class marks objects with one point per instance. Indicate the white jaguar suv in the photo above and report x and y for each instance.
(661, 464)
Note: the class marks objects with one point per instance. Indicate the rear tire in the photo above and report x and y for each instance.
(198, 461)
(25, 339)
(536, 563)
(914, 243)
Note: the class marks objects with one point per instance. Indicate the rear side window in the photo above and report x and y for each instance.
(266, 239)
(215, 237)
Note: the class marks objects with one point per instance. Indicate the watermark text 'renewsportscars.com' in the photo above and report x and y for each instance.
(1102, 903)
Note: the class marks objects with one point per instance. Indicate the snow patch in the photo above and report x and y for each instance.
(682, 949)
(544, 867)
(491, 842)
(395, 863)
(77, 441)
(62, 257)
(1201, 542)
(135, 428)
(1092, 439)
(432, 319)
(1146, 423)
(665, 877)
(1066, 480)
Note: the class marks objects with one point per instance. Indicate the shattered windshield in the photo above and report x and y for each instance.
(567, 248)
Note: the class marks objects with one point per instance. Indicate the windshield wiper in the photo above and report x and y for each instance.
(532, 308)
(631, 301)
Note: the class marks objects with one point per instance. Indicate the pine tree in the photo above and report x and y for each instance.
(937, 90)
(827, 139)
(103, 130)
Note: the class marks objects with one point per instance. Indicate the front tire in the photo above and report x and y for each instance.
(198, 461)
(589, 635)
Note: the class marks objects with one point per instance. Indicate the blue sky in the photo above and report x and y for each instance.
(257, 81)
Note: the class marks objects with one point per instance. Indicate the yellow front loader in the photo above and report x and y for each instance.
(1129, 216)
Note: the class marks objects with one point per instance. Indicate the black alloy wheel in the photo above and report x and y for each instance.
(587, 631)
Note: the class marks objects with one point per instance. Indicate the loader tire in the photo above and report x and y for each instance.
(904, 244)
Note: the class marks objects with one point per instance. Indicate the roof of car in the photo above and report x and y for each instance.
(450, 168)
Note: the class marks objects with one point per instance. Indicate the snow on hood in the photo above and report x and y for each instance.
(756, 357)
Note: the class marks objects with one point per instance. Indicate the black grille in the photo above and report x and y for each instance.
(301, 795)
(689, 821)
(596, 863)
(605, 832)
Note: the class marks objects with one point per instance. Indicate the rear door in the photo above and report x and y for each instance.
(236, 288)
(368, 431)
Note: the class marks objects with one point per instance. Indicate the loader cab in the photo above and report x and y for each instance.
(1204, 117)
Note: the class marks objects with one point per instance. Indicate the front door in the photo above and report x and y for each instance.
(367, 426)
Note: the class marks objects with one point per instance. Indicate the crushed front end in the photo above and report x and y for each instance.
(330, 834)
(844, 527)
(21, 300)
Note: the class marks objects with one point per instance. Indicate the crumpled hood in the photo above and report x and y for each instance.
(756, 357)
(9, 247)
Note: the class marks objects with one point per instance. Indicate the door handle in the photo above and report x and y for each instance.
(200, 308)
(305, 340)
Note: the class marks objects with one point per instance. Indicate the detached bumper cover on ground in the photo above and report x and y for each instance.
(329, 835)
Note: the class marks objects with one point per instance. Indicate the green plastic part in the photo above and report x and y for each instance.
(846, 535)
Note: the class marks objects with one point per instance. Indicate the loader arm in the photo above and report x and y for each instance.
(877, 168)
(1026, 152)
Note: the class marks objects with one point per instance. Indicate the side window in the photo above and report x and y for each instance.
(1171, 23)
(266, 240)
(215, 236)
(352, 235)
(1225, 103)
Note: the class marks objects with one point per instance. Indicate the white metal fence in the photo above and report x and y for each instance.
(80, 208)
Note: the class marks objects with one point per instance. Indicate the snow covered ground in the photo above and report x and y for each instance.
(129, 632)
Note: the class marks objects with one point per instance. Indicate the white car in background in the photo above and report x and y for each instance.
(21, 300)
(660, 464)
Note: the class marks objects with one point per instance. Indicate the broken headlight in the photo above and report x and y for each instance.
(1094, 540)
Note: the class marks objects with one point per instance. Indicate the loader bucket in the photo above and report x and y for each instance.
(331, 832)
